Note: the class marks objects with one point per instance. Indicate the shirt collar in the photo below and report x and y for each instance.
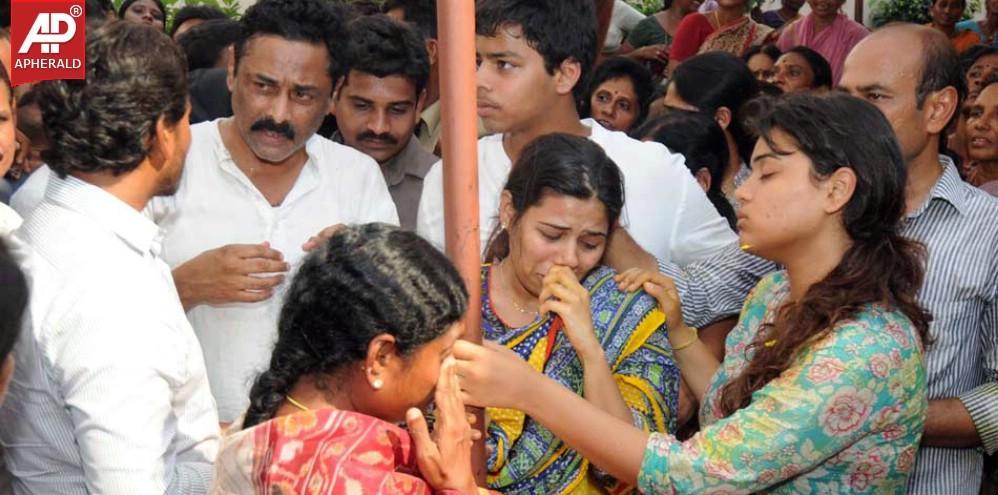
(130, 225)
(948, 188)
(431, 117)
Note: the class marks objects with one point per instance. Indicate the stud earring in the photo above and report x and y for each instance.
(377, 384)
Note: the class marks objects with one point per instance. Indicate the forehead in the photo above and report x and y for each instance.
(149, 4)
(988, 96)
(567, 211)
(791, 59)
(508, 38)
(620, 85)
(298, 62)
(988, 60)
(885, 61)
(392, 88)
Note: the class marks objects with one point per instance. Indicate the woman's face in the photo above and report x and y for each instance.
(8, 130)
(982, 126)
(982, 68)
(615, 104)
(946, 13)
(825, 8)
(558, 231)
(761, 66)
(145, 12)
(782, 204)
(793, 74)
(412, 382)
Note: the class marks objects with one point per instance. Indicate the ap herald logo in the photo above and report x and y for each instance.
(48, 40)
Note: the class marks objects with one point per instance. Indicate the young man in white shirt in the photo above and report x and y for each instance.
(110, 393)
(257, 186)
(535, 57)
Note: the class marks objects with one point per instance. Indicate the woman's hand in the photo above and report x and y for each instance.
(444, 457)
(655, 53)
(492, 375)
(563, 295)
(661, 288)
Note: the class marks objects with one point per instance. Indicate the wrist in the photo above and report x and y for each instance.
(683, 337)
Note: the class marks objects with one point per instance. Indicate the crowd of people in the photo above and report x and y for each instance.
(726, 251)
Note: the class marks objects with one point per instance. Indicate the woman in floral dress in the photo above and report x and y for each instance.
(822, 387)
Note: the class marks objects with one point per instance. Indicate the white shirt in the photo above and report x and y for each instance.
(31, 193)
(622, 22)
(9, 220)
(110, 393)
(665, 209)
(216, 204)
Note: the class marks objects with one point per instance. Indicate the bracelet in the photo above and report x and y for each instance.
(695, 338)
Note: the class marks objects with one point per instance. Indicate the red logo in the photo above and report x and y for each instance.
(48, 40)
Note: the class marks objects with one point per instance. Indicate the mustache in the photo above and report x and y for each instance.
(268, 124)
(381, 138)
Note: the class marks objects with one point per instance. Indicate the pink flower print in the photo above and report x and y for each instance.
(880, 366)
(899, 333)
(825, 370)
(846, 411)
(906, 460)
(865, 473)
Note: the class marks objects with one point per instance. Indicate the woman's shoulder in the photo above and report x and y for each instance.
(695, 20)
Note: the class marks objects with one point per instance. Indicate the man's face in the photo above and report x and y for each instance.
(884, 70)
(281, 91)
(377, 115)
(514, 89)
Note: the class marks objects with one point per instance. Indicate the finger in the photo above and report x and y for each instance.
(262, 250)
(467, 351)
(561, 293)
(427, 452)
(261, 283)
(554, 306)
(310, 244)
(476, 435)
(447, 397)
(472, 419)
(263, 265)
(252, 296)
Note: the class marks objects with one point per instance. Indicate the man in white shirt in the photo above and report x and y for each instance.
(535, 58)
(257, 186)
(110, 393)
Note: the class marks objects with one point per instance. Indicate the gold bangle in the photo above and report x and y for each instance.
(695, 338)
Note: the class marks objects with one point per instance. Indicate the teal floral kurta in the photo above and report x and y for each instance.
(847, 417)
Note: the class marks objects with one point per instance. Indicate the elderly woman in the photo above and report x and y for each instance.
(825, 30)
(363, 343)
(620, 92)
(726, 29)
(802, 69)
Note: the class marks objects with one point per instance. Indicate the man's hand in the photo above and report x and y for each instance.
(323, 236)
(230, 274)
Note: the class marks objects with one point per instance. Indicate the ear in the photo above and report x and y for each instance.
(337, 89)
(839, 189)
(420, 104)
(164, 140)
(382, 357)
(703, 178)
(723, 117)
(230, 77)
(567, 76)
(939, 108)
(6, 373)
(431, 51)
(506, 211)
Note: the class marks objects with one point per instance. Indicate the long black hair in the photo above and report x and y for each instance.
(560, 164)
(713, 80)
(367, 280)
(700, 140)
(880, 267)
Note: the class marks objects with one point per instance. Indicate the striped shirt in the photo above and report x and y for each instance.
(959, 226)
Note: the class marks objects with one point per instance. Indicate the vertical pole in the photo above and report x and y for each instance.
(458, 105)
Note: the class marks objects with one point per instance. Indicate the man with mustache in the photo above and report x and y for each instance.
(378, 103)
(261, 187)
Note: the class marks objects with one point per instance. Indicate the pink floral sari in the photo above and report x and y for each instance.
(319, 452)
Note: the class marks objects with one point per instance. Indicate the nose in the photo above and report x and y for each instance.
(606, 110)
(378, 123)
(742, 192)
(281, 109)
(568, 255)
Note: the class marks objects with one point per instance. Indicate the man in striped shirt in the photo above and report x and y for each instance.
(919, 90)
